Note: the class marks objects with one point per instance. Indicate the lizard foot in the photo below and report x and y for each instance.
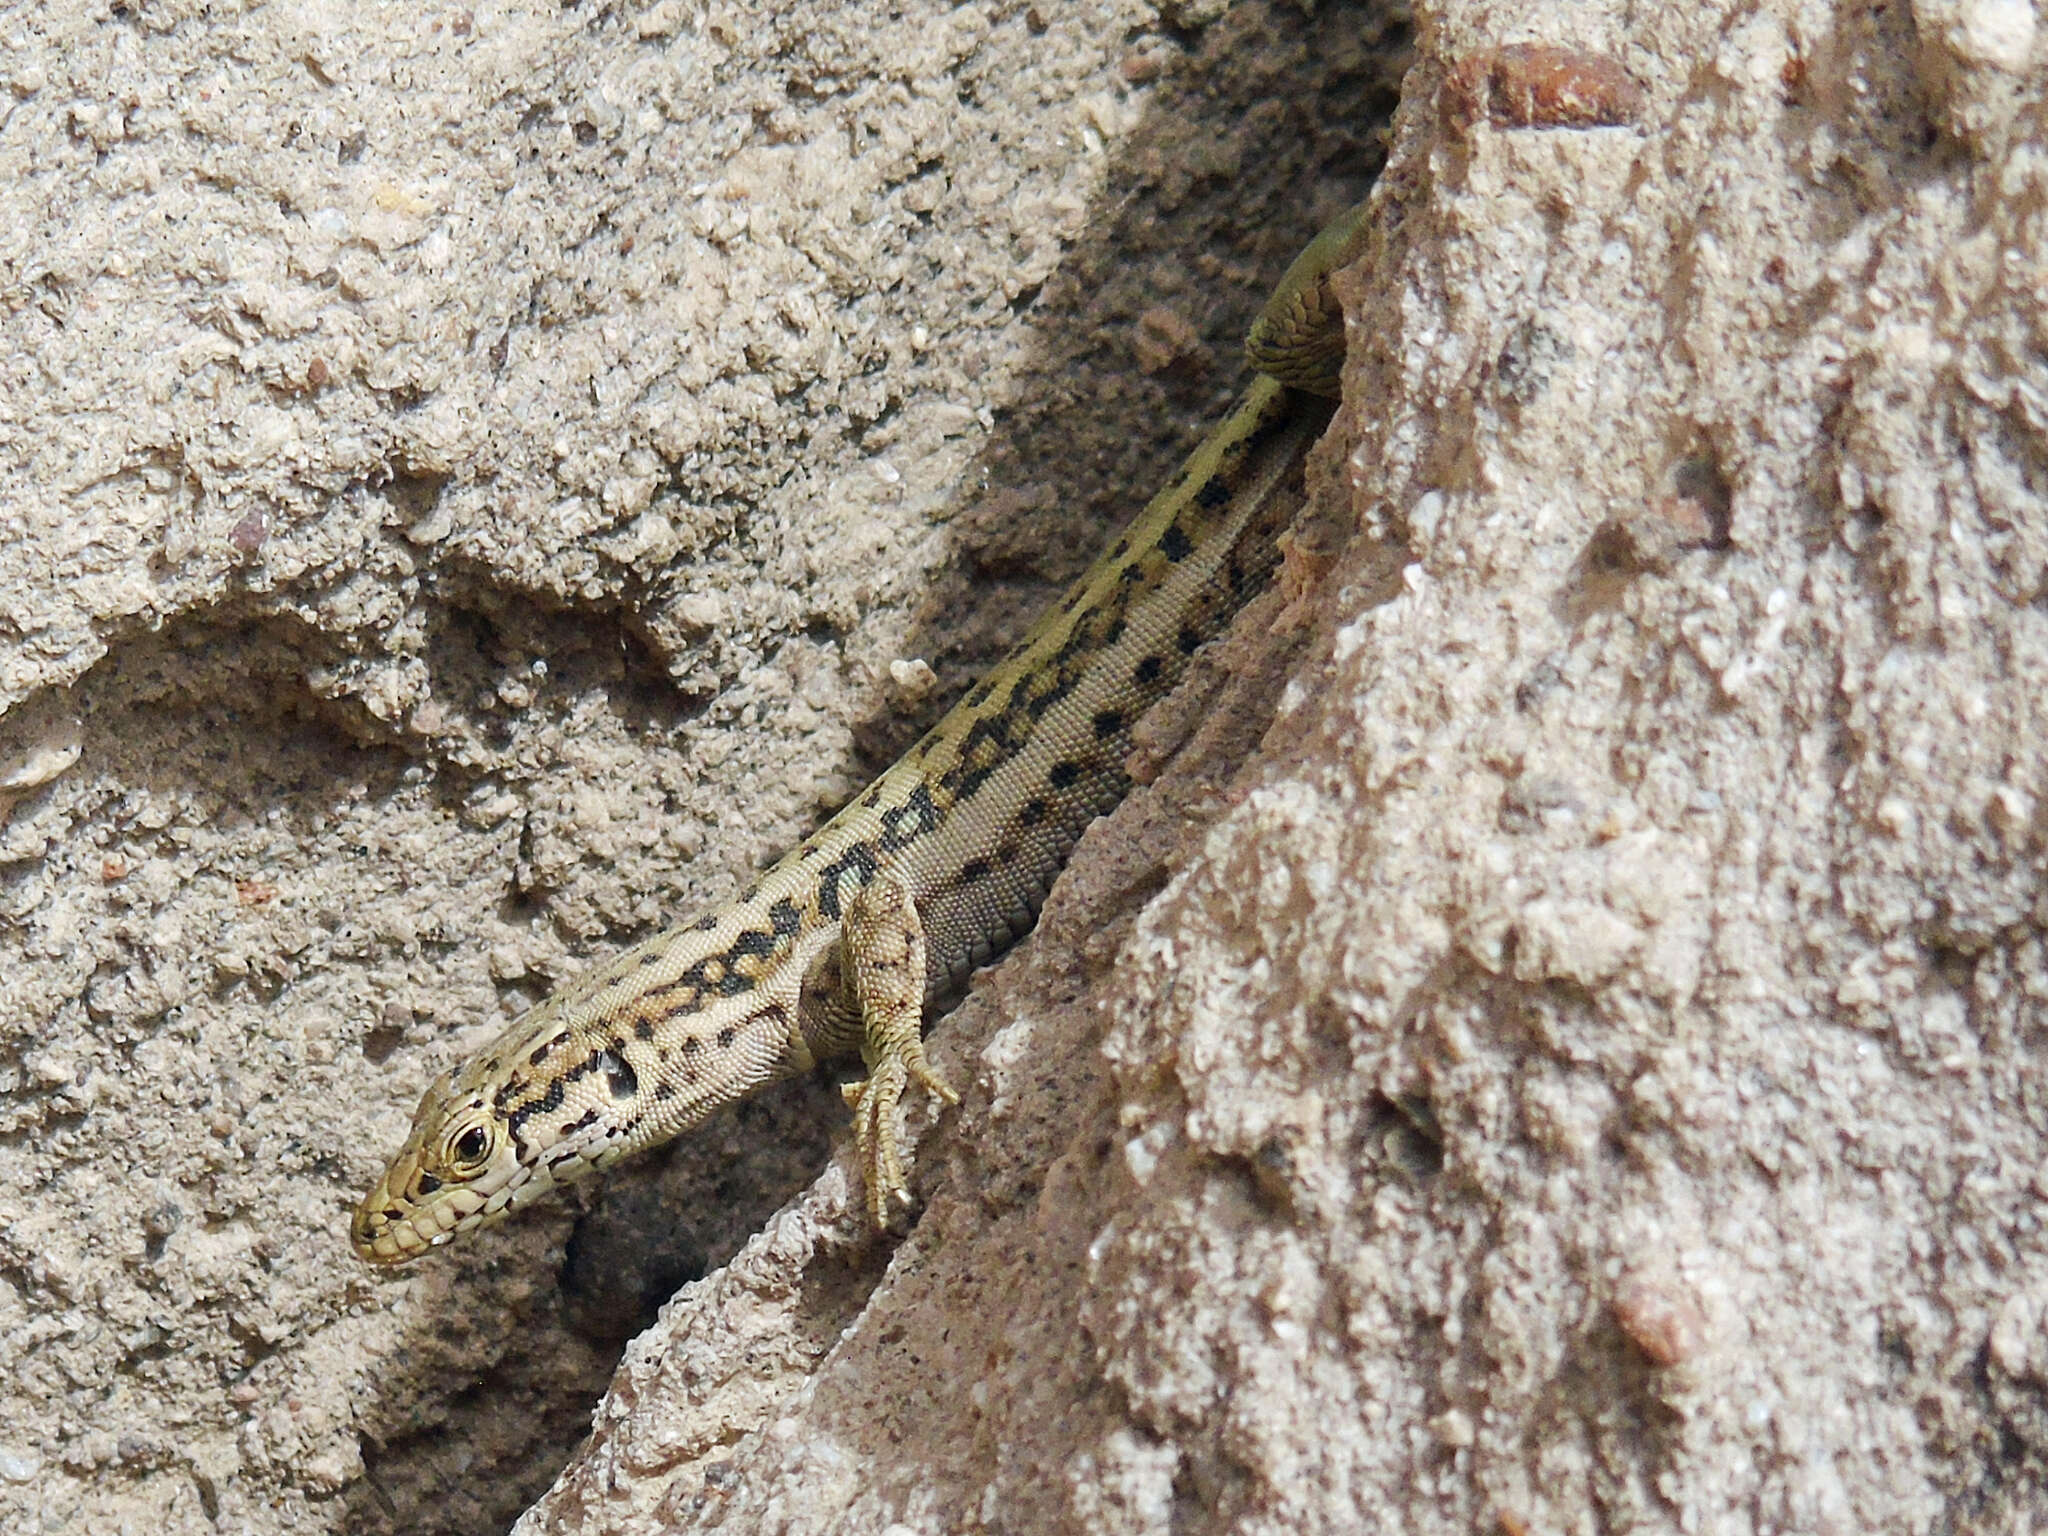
(873, 1102)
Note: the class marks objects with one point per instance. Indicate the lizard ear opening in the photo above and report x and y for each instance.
(619, 1076)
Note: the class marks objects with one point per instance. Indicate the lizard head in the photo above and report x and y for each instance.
(604, 1068)
(487, 1140)
(438, 1183)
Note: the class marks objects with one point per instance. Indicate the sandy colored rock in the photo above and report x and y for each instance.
(1553, 1045)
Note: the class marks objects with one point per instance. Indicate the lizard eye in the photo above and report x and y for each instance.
(470, 1148)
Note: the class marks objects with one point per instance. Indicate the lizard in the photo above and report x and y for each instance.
(937, 867)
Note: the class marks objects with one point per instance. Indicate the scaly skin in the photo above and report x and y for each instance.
(941, 864)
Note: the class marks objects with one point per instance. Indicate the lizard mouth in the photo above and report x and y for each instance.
(409, 1212)
(385, 1230)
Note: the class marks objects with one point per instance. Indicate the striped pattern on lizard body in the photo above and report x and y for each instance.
(939, 865)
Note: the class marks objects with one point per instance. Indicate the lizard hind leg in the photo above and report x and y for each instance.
(1298, 337)
(882, 976)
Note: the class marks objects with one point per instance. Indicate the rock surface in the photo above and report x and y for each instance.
(1556, 1043)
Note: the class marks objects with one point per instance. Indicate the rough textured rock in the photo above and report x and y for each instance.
(1557, 1042)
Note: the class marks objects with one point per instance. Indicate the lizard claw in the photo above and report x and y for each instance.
(873, 1102)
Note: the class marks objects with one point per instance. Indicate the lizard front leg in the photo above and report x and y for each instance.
(878, 995)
